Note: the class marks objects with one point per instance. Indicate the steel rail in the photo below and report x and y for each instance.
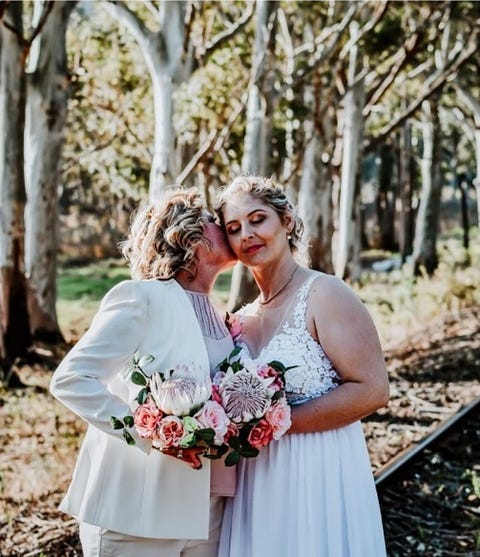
(406, 457)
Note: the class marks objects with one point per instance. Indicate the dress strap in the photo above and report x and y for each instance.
(300, 310)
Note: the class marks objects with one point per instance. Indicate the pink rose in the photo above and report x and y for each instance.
(268, 371)
(234, 325)
(260, 434)
(232, 431)
(170, 432)
(278, 416)
(213, 415)
(216, 396)
(146, 418)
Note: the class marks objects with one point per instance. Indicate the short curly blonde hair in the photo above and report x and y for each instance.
(163, 236)
(270, 193)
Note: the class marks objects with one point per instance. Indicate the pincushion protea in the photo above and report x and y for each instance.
(245, 395)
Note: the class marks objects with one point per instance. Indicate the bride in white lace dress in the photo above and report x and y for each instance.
(310, 494)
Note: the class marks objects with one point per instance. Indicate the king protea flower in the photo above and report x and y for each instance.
(180, 393)
(245, 395)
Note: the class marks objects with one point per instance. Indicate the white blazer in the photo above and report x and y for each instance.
(132, 489)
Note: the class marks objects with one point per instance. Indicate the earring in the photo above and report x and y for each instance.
(289, 236)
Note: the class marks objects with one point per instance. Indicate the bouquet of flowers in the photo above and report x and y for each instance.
(254, 402)
(175, 411)
(185, 415)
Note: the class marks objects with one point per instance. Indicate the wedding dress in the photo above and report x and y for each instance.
(305, 495)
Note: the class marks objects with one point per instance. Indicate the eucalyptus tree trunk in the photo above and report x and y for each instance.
(46, 110)
(163, 52)
(406, 183)
(386, 199)
(315, 205)
(425, 242)
(257, 150)
(346, 248)
(15, 337)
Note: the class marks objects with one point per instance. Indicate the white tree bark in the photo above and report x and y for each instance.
(315, 205)
(424, 251)
(48, 92)
(351, 143)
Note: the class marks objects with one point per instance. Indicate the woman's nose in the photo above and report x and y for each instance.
(246, 231)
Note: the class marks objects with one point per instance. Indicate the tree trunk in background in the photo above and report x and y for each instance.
(48, 92)
(351, 141)
(315, 205)
(15, 337)
(426, 230)
(406, 182)
(386, 197)
(258, 134)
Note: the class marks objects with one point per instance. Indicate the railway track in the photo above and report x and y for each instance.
(430, 493)
(400, 464)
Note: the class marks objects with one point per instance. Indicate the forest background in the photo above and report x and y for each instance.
(368, 112)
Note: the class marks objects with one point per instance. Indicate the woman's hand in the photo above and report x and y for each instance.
(190, 455)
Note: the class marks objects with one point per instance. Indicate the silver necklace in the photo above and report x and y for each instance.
(280, 290)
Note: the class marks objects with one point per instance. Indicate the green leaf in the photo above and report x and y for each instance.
(142, 396)
(290, 367)
(116, 423)
(189, 440)
(232, 458)
(237, 366)
(128, 421)
(277, 395)
(207, 434)
(144, 360)
(234, 442)
(138, 378)
(277, 366)
(190, 424)
(235, 352)
(128, 438)
(249, 452)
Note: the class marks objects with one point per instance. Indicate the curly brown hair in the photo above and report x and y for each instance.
(163, 236)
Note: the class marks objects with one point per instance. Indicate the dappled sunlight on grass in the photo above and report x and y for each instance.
(402, 305)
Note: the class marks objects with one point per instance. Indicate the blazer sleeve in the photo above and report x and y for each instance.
(80, 382)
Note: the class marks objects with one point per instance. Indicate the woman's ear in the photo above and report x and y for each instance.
(288, 222)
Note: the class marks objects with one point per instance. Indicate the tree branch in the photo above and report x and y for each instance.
(431, 89)
(379, 12)
(214, 142)
(221, 38)
(47, 8)
(121, 12)
(323, 51)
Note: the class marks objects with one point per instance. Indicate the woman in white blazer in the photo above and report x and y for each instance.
(132, 500)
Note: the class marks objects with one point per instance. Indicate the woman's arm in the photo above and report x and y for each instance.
(344, 328)
(81, 380)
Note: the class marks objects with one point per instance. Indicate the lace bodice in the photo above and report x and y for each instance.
(293, 345)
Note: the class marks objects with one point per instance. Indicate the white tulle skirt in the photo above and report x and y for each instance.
(307, 495)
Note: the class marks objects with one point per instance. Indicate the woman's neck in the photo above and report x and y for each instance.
(202, 283)
(272, 280)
